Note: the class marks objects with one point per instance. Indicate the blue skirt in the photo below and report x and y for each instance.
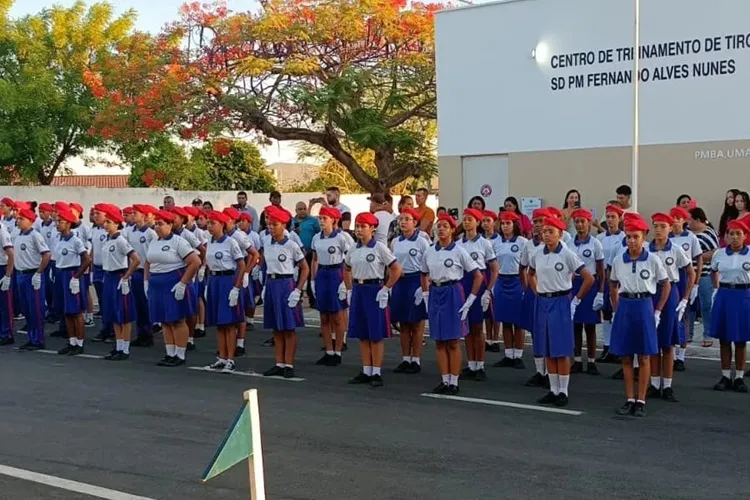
(403, 309)
(162, 306)
(730, 315)
(277, 315)
(367, 321)
(476, 315)
(97, 276)
(634, 328)
(327, 282)
(71, 304)
(445, 320)
(218, 312)
(553, 328)
(528, 310)
(118, 309)
(607, 297)
(508, 300)
(585, 313)
(668, 333)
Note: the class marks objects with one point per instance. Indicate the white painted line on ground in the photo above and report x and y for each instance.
(67, 484)
(506, 404)
(87, 356)
(244, 374)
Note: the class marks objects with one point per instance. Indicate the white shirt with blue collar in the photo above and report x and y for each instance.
(554, 269)
(673, 258)
(448, 263)
(479, 249)
(640, 275)
(508, 253)
(116, 253)
(612, 244)
(68, 251)
(368, 262)
(223, 254)
(732, 267)
(689, 243)
(410, 251)
(281, 257)
(139, 238)
(28, 249)
(167, 255)
(50, 233)
(590, 251)
(331, 249)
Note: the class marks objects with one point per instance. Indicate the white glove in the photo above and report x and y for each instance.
(52, 275)
(657, 318)
(245, 280)
(382, 297)
(713, 295)
(124, 286)
(145, 287)
(342, 291)
(294, 298)
(179, 290)
(201, 273)
(205, 294)
(349, 297)
(234, 296)
(426, 296)
(256, 273)
(263, 293)
(573, 306)
(312, 288)
(36, 281)
(681, 309)
(75, 286)
(598, 301)
(5, 283)
(486, 299)
(418, 296)
(464, 310)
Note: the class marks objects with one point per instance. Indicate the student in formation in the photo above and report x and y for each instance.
(224, 301)
(367, 295)
(491, 327)
(508, 291)
(193, 213)
(140, 237)
(282, 311)
(634, 278)
(612, 240)
(329, 247)
(550, 271)
(407, 300)
(7, 258)
(171, 264)
(201, 222)
(31, 259)
(590, 251)
(481, 251)
(245, 225)
(730, 314)
(72, 260)
(444, 267)
(98, 239)
(47, 226)
(675, 262)
(83, 231)
(178, 228)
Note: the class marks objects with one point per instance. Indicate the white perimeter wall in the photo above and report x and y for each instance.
(493, 97)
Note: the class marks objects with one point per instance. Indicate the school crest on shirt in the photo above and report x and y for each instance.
(413, 252)
(64, 251)
(559, 266)
(474, 255)
(218, 255)
(142, 239)
(331, 250)
(746, 266)
(111, 248)
(587, 253)
(102, 237)
(669, 261)
(49, 234)
(23, 246)
(282, 258)
(370, 257)
(686, 246)
(165, 248)
(645, 274)
(514, 248)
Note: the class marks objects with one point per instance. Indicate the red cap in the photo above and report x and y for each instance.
(738, 224)
(8, 202)
(554, 222)
(179, 211)
(278, 214)
(331, 212)
(217, 216)
(473, 212)
(164, 215)
(632, 216)
(145, 209)
(555, 212)
(192, 211)
(679, 213)
(447, 218)
(541, 213)
(490, 214)
(245, 216)
(23, 205)
(67, 215)
(46, 207)
(77, 207)
(410, 211)
(509, 216)
(128, 211)
(582, 213)
(61, 205)
(660, 217)
(366, 218)
(113, 213)
(27, 214)
(636, 225)
(232, 213)
(614, 209)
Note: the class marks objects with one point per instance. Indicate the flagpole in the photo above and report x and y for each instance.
(636, 102)
(255, 462)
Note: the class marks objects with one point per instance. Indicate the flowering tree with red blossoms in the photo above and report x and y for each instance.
(344, 75)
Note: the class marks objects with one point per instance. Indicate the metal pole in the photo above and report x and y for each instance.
(636, 102)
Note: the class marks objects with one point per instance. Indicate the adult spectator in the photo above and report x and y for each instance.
(306, 226)
(333, 196)
(709, 242)
(572, 202)
(168, 202)
(729, 213)
(683, 201)
(624, 193)
(275, 199)
(207, 206)
(197, 203)
(381, 208)
(742, 204)
(426, 214)
(242, 206)
(511, 205)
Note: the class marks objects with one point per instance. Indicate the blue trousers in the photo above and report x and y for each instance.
(6, 311)
(32, 306)
(143, 322)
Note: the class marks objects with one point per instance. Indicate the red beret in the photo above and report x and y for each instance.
(192, 211)
(555, 212)
(128, 211)
(77, 207)
(410, 211)
(449, 219)
(164, 215)
(179, 211)
(8, 202)
(582, 213)
(232, 213)
(554, 222)
(660, 217)
(145, 209)
(541, 213)
(366, 218)
(331, 212)
(46, 207)
(490, 214)
(473, 212)
(278, 214)
(632, 216)
(245, 216)
(738, 224)
(679, 213)
(27, 214)
(217, 216)
(202, 213)
(113, 213)
(67, 215)
(614, 209)
(61, 205)
(636, 224)
(23, 205)
(509, 216)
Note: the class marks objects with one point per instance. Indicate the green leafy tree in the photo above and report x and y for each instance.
(164, 162)
(234, 164)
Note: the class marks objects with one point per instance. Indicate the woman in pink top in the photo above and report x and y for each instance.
(511, 205)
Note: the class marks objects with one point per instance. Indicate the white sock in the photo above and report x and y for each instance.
(170, 349)
(180, 352)
(681, 353)
(480, 365)
(248, 319)
(473, 366)
(118, 345)
(200, 326)
(509, 353)
(728, 373)
(656, 382)
(73, 341)
(375, 370)
(635, 362)
(367, 370)
(191, 340)
(667, 383)
(517, 353)
(591, 361)
(446, 379)
(554, 383)
(607, 332)
(241, 343)
(88, 316)
(222, 361)
(79, 342)
(453, 380)
(126, 346)
(540, 368)
(740, 374)
(416, 360)
(641, 401)
(280, 365)
(564, 382)
(337, 353)
(329, 353)
(406, 358)
(577, 359)
(288, 366)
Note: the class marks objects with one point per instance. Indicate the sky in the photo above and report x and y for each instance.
(152, 15)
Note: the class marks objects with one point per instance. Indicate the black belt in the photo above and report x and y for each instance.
(223, 273)
(735, 286)
(26, 271)
(329, 266)
(640, 295)
(73, 268)
(118, 271)
(139, 270)
(508, 276)
(279, 276)
(444, 283)
(552, 295)
(411, 274)
(368, 282)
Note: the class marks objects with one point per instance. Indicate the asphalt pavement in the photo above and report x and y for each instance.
(135, 427)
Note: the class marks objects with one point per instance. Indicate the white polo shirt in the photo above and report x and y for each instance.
(282, 257)
(508, 253)
(640, 275)
(479, 249)
(689, 243)
(590, 251)
(331, 249)
(673, 258)
(83, 232)
(410, 252)
(447, 263)
(190, 237)
(733, 267)
(223, 254)
(242, 239)
(98, 238)
(368, 262)
(167, 255)
(265, 238)
(49, 231)
(554, 269)
(529, 249)
(612, 244)
(68, 251)
(28, 249)
(116, 252)
(140, 238)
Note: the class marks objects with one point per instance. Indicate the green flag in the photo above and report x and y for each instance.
(236, 447)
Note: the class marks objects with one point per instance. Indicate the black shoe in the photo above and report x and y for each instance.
(547, 399)
(739, 385)
(480, 375)
(562, 400)
(468, 373)
(288, 372)
(442, 388)
(156, 329)
(619, 375)
(111, 355)
(239, 351)
(360, 379)
(679, 365)
(518, 364)
(199, 333)
(653, 392)
(274, 371)
(268, 343)
(335, 360)
(452, 390)
(121, 356)
(592, 369)
(668, 395)
(487, 347)
(26, 346)
(59, 334)
(494, 348)
(627, 408)
(414, 368)
(35, 347)
(100, 337)
(611, 358)
(402, 367)
(190, 346)
(576, 367)
(142, 341)
(506, 362)
(7, 341)
(66, 350)
(537, 380)
(376, 381)
(325, 360)
(723, 385)
(604, 354)
(639, 410)
(166, 361)
(176, 361)
(76, 351)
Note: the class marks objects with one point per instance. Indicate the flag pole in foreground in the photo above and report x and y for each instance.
(242, 441)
